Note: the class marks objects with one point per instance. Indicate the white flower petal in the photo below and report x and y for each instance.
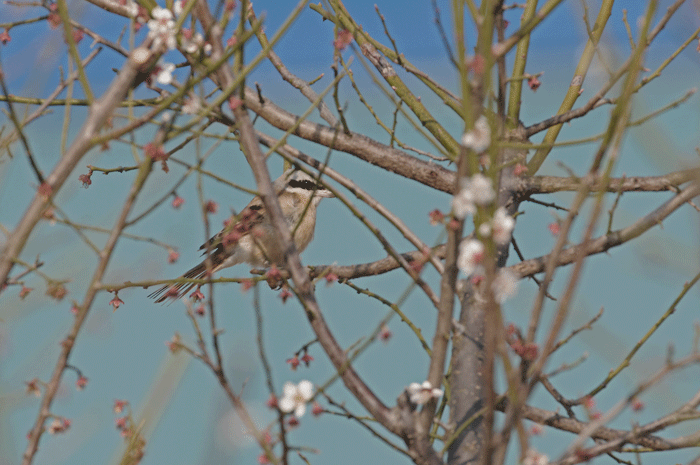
(289, 389)
(164, 74)
(306, 390)
(503, 225)
(484, 229)
(505, 285)
(479, 138)
(481, 189)
(287, 404)
(133, 8)
(463, 204)
(471, 252)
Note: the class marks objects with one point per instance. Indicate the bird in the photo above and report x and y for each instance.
(249, 236)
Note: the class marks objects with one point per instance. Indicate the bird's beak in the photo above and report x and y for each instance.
(325, 193)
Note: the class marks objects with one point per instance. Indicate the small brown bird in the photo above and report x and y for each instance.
(248, 237)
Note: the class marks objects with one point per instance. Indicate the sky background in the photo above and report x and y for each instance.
(186, 417)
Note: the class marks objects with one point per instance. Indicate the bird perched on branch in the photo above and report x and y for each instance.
(249, 236)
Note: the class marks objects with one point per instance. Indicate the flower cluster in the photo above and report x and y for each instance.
(478, 191)
(422, 393)
(163, 33)
(161, 28)
(501, 226)
(193, 42)
(471, 255)
(163, 72)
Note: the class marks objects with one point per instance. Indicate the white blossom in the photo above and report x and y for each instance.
(482, 189)
(193, 44)
(164, 72)
(177, 7)
(132, 8)
(463, 204)
(141, 55)
(295, 397)
(503, 225)
(532, 457)
(161, 28)
(422, 393)
(477, 190)
(479, 138)
(505, 285)
(485, 229)
(192, 105)
(471, 253)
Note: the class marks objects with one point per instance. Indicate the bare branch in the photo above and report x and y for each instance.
(100, 110)
(614, 239)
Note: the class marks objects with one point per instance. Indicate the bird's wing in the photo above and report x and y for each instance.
(250, 216)
(240, 224)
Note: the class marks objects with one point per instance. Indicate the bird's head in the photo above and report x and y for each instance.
(296, 181)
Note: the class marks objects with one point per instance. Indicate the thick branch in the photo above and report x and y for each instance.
(369, 150)
(550, 184)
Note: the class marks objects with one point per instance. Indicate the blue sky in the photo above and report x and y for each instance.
(186, 417)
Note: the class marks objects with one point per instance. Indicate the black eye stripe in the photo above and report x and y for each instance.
(305, 184)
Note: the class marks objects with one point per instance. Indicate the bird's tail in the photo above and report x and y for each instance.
(177, 291)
